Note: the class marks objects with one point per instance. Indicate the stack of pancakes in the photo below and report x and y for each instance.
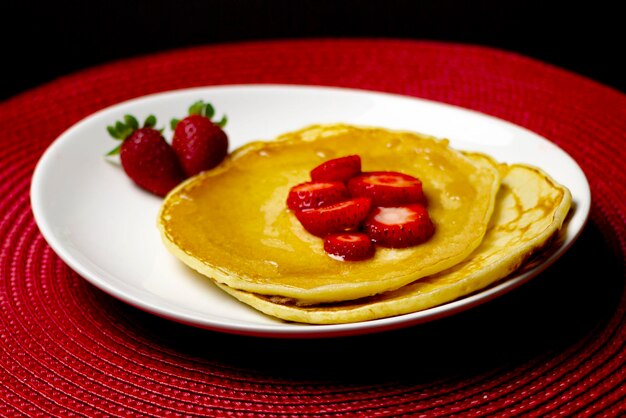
(232, 225)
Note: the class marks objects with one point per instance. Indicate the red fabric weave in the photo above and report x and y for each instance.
(554, 347)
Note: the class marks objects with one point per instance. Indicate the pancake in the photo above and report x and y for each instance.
(232, 225)
(530, 210)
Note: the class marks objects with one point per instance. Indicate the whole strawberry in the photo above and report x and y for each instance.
(145, 155)
(200, 143)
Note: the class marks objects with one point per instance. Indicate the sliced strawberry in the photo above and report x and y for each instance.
(338, 169)
(312, 195)
(349, 246)
(399, 227)
(387, 188)
(339, 217)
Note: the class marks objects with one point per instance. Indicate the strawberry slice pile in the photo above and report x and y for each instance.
(198, 144)
(353, 211)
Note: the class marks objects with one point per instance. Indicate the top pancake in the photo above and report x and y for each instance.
(232, 225)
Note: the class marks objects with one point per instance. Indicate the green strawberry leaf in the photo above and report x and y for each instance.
(113, 132)
(114, 151)
(208, 111)
(120, 127)
(123, 130)
(222, 122)
(196, 108)
(150, 122)
(173, 123)
(131, 121)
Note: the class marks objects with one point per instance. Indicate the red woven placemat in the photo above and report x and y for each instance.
(554, 347)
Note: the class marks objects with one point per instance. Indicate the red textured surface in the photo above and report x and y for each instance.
(554, 347)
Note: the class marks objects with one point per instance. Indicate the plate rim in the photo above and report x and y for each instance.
(279, 330)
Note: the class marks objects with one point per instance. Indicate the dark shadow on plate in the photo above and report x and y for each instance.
(541, 318)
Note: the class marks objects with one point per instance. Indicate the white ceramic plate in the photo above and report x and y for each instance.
(104, 227)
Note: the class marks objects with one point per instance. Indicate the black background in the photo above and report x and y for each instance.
(47, 40)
